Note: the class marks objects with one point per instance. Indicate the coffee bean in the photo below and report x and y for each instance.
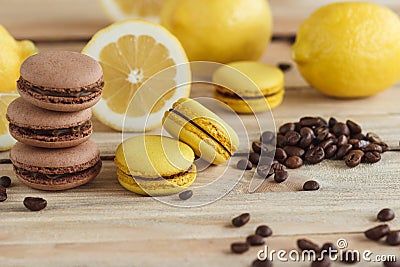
(358, 144)
(185, 195)
(350, 256)
(281, 176)
(255, 240)
(374, 138)
(259, 148)
(310, 185)
(239, 247)
(307, 130)
(5, 181)
(284, 66)
(3, 194)
(329, 249)
(343, 150)
(359, 136)
(341, 128)
(287, 127)
(372, 157)
(265, 171)
(395, 263)
(323, 134)
(241, 220)
(293, 162)
(276, 166)
(280, 155)
(324, 144)
(385, 215)
(305, 244)
(261, 263)
(280, 140)
(321, 262)
(264, 231)
(315, 155)
(377, 232)
(330, 151)
(332, 121)
(354, 127)
(244, 164)
(35, 203)
(373, 147)
(267, 137)
(254, 158)
(354, 158)
(306, 140)
(310, 121)
(292, 138)
(393, 238)
(342, 140)
(294, 151)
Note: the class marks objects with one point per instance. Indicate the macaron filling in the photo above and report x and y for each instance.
(201, 129)
(160, 177)
(230, 94)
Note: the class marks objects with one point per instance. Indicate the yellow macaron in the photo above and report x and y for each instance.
(155, 165)
(207, 134)
(249, 86)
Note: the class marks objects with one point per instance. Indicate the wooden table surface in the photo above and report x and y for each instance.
(101, 224)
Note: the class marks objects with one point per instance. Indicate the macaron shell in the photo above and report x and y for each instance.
(61, 69)
(159, 187)
(153, 156)
(24, 114)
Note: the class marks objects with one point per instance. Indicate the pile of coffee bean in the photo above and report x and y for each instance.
(378, 232)
(313, 139)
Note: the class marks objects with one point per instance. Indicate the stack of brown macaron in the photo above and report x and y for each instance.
(51, 120)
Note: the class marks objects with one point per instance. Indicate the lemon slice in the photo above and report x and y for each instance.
(130, 52)
(6, 140)
(125, 9)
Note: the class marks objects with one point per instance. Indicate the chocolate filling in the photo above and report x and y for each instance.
(201, 129)
(70, 94)
(161, 177)
(85, 126)
(37, 175)
(231, 94)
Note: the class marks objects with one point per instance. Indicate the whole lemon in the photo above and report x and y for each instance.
(219, 30)
(350, 49)
(13, 53)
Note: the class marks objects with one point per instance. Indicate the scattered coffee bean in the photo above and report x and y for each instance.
(305, 244)
(372, 157)
(377, 232)
(329, 249)
(265, 171)
(294, 162)
(254, 158)
(281, 176)
(261, 263)
(244, 164)
(354, 158)
(341, 128)
(343, 150)
(330, 151)
(292, 138)
(395, 263)
(354, 127)
(321, 262)
(264, 231)
(35, 203)
(287, 127)
(294, 151)
(241, 220)
(280, 155)
(185, 195)
(350, 256)
(260, 148)
(5, 181)
(255, 240)
(311, 185)
(3, 194)
(284, 66)
(239, 247)
(385, 215)
(393, 238)
(267, 137)
(315, 155)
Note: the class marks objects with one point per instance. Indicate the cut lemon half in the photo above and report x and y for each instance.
(130, 52)
(125, 9)
(6, 140)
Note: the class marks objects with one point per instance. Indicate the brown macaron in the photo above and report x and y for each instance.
(45, 128)
(56, 169)
(61, 81)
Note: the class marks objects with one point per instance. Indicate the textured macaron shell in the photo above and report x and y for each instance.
(55, 161)
(249, 78)
(61, 69)
(199, 139)
(153, 156)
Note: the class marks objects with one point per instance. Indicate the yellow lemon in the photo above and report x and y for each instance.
(349, 49)
(219, 30)
(124, 9)
(13, 53)
(130, 53)
(6, 140)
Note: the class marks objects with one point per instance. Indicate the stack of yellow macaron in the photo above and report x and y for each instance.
(249, 86)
